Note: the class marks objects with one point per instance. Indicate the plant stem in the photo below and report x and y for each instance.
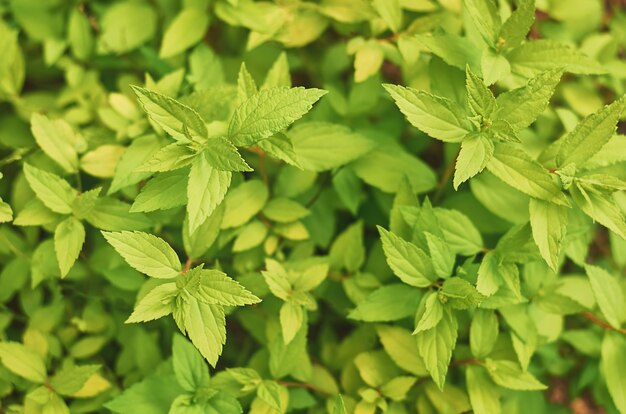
(187, 266)
(593, 318)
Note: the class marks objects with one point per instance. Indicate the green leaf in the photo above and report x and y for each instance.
(476, 152)
(114, 215)
(590, 135)
(198, 242)
(340, 407)
(206, 326)
(322, 146)
(137, 154)
(71, 378)
(56, 138)
(291, 319)
(391, 13)
(429, 314)
(250, 236)
(494, 67)
(308, 275)
(6, 212)
(367, 60)
(401, 346)
(387, 303)
(514, 30)
(120, 29)
(449, 400)
(246, 86)
(270, 111)
(284, 210)
(270, 392)
(388, 165)
(189, 366)
(278, 75)
(157, 303)
(435, 347)
(244, 202)
(549, 227)
(223, 155)
(613, 363)
(170, 157)
(79, 35)
(53, 191)
(479, 97)
(187, 29)
(205, 191)
(600, 207)
(279, 146)
(407, 261)
(509, 375)
(101, 162)
(540, 55)
(459, 232)
(277, 279)
(486, 17)
(517, 169)
(493, 272)
(222, 403)
(451, 48)
(69, 237)
(460, 294)
(520, 107)
(347, 251)
(375, 368)
(609, 295)
(397, 388)
(439, 117)
(55, 405)
(483, 393)
(164, 191)
(483, 332)
(154, 395)
(214, 287)
(148, 254)
(176, 119)
(23, 361)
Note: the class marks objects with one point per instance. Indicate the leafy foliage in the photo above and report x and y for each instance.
(329, 206)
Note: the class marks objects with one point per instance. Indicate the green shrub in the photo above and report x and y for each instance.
(219, 206)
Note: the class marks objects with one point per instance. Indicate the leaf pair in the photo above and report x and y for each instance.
(60, 205)
(212, 154)
(292, 283)
(196, 297)
(492, 121)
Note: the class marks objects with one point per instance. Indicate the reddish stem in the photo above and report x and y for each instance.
(593, 318)
(187, 266)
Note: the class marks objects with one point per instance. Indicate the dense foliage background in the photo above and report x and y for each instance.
(334, 206)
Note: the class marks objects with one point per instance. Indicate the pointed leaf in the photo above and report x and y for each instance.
(171, 115)
(439, 117)
(407, 261)
(205, 191)
(146, 253)
(69, 237)
(270, 111)
(53, 191)
(549, 227)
